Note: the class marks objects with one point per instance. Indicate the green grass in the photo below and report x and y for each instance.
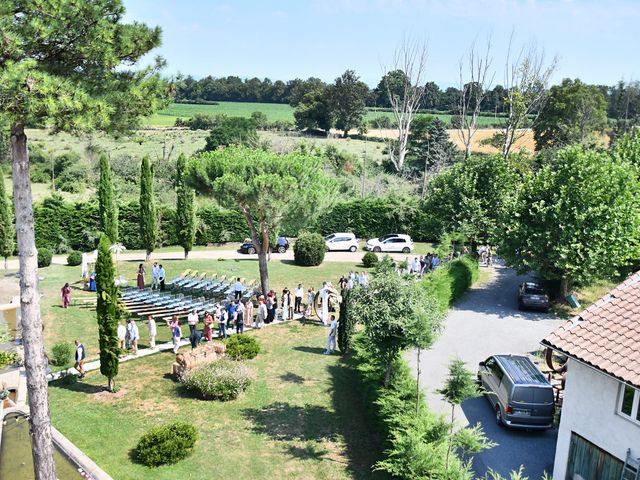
(586, 296)
(303, 416)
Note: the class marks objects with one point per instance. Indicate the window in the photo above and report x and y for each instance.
(629, 405)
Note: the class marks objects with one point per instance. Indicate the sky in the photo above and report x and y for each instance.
(595, 40)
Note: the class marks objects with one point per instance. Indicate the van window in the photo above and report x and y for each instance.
(532, 395)
(495, 369)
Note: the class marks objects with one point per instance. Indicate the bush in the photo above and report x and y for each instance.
(44, 257)
(369, 260)
(166, 444)
(449, 282)
(61, 354)
(309, 249)
(74, 258)
(242, 347)
(219, 380)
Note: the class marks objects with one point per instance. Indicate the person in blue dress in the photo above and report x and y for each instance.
(92, 282)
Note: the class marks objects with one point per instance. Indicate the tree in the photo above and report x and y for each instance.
(148, 223)
(346, 323)
(405, 94)
(432, 94)
(232, 131)
(393, 82)
(576, 220)
(185, 209)
(108, 312)
(270, 190)
(315, 111)
(573, 113)
(107, 206)
(7, 231)
(349, 97)
(65, 65)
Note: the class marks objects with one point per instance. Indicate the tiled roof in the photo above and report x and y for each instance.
(607, 334)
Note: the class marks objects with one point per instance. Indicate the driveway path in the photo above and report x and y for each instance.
(487, 321)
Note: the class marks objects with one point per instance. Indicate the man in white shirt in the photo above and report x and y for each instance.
(238, 289)
(155, 276)
(192, 321)
(135, 336)
(324, 300)
(122, 335)
(298, 293)
(331, 339)
(153, 331)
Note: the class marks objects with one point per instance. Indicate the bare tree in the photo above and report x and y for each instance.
(525, 81)
(410, 58)
(475, 81)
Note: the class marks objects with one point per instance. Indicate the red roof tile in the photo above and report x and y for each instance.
(606, 335)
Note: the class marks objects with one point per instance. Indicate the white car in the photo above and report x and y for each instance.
(391, 243)
(341, 241)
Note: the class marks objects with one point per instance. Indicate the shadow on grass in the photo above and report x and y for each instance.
(71, 382)
(292, 377)
(316, 350)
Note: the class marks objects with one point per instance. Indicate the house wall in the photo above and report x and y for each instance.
(589, 409)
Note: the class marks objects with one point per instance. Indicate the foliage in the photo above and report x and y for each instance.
(202, 121)
(369, 260)
(61, 354)
(315, 111)
(232, 131)
(74, 258)
(309, 249)
(627, 148)
(459, 385)
(242, 347)
(219, 380)
(387, 266)
(44, 257)
(449, 282)
(7, 358)
(348, 98)
(7, 229)
(107, 311)
(185, 218)
(576, 220)
(166, 444)
(430, 148)
(148, 228)
(259, 119)
(107, 206)
(346, 323)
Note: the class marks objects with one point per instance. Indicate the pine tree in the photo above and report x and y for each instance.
(148, 227)
(185, 209)
(108, 208)
(7, 232)
(108, 312)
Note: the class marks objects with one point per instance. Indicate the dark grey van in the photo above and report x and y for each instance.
(518, 392)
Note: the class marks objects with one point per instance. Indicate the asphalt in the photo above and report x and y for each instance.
(484, 322)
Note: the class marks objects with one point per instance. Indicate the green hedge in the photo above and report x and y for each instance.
(451, 280)
(309, 249)
(166, 444)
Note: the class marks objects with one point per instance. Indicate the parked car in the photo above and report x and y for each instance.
(341, 241)
(518, 392)
(393, 242)
(281, 246)
(532, 296)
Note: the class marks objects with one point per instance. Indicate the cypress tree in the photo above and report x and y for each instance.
(148, 228)
(346, 323)
(185, 209)
(108, 209)
(108, 312)
(7, 232)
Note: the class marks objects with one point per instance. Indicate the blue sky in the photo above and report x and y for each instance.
(596, 40)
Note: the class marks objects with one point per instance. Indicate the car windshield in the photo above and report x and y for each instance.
(534, 291)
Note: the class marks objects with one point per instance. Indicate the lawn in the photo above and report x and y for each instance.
(303, 416)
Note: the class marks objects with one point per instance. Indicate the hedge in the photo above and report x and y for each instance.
(451, 280)
(166, 444)
(309, 249)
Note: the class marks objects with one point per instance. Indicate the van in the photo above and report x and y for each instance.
(518, 392)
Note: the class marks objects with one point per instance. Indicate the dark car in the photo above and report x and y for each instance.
(281, 246)
(532, 296)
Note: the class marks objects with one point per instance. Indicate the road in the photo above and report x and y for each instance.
(487, 321)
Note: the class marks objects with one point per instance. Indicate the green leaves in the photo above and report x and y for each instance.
(107, 310)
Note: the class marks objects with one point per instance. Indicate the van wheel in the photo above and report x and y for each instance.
(353, 248)
(498, 416)
(406, 250)
(281, 249)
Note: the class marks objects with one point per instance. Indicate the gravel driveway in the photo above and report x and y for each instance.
(484, 322)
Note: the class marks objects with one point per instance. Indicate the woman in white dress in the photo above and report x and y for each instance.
(285, 304)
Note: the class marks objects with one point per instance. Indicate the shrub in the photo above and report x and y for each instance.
(242, 347)
(449, 282)
(166, 444)
(219, 380)
(7, 358)
(369, 260)
(61, 354)
(309, 249)
(44, 257)
(74, 258)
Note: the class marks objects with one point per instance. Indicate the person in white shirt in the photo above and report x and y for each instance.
(122, 335)
(153, 331)
(155, 276)
(331, 339)
(161, 277)
(324, 299)
(237, 289)
(364, 280)
(262, 312)
(298, 293)
(135, 336)
(350, 283)
(415, 266)
(192, 321)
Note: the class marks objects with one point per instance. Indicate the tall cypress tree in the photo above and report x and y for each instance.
(185, 209)
(108, 312)
(148, 228)
(7, 232)
(108, 209)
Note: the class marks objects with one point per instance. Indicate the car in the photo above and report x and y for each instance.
(533, 296)
(518, 392)
(392, 242)
(281, 246)
(341, 241)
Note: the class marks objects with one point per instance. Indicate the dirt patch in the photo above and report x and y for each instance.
(106, 397)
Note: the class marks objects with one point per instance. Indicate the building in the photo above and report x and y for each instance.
(599, 433)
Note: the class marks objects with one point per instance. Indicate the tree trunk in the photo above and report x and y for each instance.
(186, 254)
(262, 257)
(6, 263)
(111, 384)
(564, 287)
(418, 385)
(387, 374)
(148, 257)
(41, 445)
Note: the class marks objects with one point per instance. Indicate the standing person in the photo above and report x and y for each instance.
(127, 336)
(285, 304)
(122, 335)
(194, 338)
(176, 333)
(324, 298)
(192, 321)
(275, 306)
(237, 289)
(248, 313)
(331, 339)
(270, 307)
(232, 308)
(140, 277)
(311, 297)
(92, 282)
(350, 283)
(153, 331)
(427, 262)
(155, 275)
(365, 279)
(489, 254)
(80, 356)
(222, 323)
(240, 317)
(66, 295)
(135, 336)
(161, 277)
(434, 261)
(208, 330)
(298, 293)
(262, 312)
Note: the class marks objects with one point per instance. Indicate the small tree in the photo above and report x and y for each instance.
(148, 226)
(7, 231)
(108, 312)
(349, 97)
(346, 323)
(107, 206)
(232, 131)
(185, 209)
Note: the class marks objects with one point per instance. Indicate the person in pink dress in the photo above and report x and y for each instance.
(140, 279)
(248, 313)
(208, 322)
(66, 295)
